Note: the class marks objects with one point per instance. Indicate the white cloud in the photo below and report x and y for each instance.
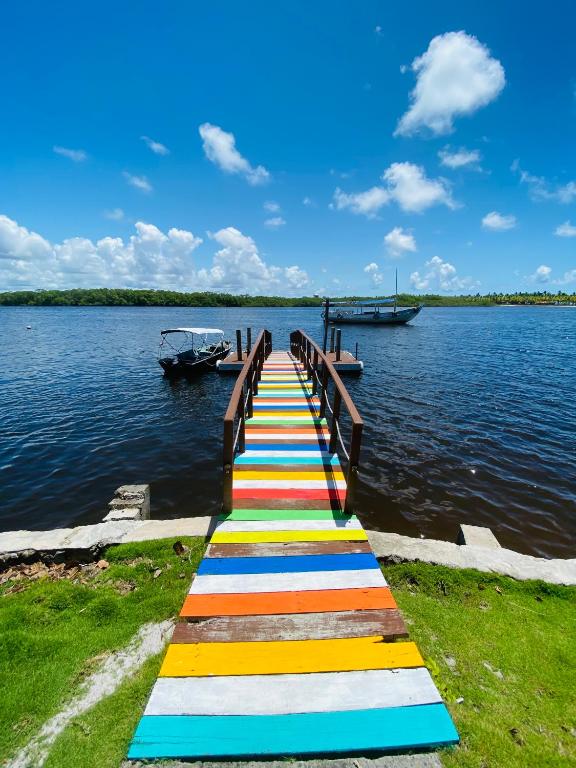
(565, 230)
(441, 275)
(542, 274)
(271, 206)
(155, 146)
(375, 275)
(275, 222)
(367, 203)
(76, 155)
(454, 77)
(220, 148)
(308, 202)
(398, 242)
(150, 258)
(460, 158)
(497, 222)
(406, 184)
(116, 214)
(541, 189)
(138, 182)
(239, 268)
(409, 186)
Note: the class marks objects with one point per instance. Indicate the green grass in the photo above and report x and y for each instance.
(503, 654)
(54, 634)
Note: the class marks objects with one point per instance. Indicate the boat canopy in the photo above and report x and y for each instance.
(199, 331)
(373, 303)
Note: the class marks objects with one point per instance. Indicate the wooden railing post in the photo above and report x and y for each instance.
(335, 425)
(352, 474)
(227, 452)
(315, 373)
(324, 390)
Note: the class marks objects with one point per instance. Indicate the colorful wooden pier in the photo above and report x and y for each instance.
(290, 641)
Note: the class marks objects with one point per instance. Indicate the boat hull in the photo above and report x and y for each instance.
(399, 317)
(175, 367)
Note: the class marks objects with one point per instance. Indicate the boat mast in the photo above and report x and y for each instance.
(396, 294)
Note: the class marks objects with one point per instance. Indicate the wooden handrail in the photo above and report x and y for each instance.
(240, 407)
(313, 358)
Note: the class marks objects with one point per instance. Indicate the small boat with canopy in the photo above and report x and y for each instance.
(181, 354)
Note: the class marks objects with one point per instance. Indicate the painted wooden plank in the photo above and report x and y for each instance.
(272, 603)
(291, 475)
(289, 564)
(287, 582)
(337, 494)
(320, 448)
(282, 658)
(255, 537)
(286, 461)
(291, 548)
(300, 453)
(293, 626)
(292, 694)
(238, 483)
(286, 514)
(287, 468)
(350, 522)
(280, 503)
(324, 732)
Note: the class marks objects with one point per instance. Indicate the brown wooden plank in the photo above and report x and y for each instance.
(256, 503)
(293, 626)
(289, 548)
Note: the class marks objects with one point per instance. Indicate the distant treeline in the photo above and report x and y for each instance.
(125, 297)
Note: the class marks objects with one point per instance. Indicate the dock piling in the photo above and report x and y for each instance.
(239, 344)
(248, 340)
(338, 344)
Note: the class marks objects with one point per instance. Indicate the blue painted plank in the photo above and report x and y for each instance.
(217, 566)
(311, 445)
(394, 728)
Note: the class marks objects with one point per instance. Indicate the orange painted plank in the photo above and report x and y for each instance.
(266, 603)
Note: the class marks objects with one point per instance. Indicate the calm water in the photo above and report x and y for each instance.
(470, 417)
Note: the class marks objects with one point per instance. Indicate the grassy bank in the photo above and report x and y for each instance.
(502, 653)
(504, 656)
(56, 628)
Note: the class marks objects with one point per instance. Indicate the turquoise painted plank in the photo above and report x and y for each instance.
(220, 566)
(394, 728)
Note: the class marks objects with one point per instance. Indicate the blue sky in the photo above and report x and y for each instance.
(288, 147)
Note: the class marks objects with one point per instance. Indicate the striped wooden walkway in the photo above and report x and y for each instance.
(286, 640)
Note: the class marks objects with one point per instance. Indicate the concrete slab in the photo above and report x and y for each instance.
(392, 546)
(477, 536)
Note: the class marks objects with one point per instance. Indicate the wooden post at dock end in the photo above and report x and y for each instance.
(338, 344)
(326, 318)
(239, 344)
(248, 340)
(332, 332)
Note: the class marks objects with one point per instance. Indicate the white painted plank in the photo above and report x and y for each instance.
(289, 694)
(270, 437)
(287, 582)
(287, 525)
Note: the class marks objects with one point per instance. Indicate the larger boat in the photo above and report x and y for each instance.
(182, 355)
(368, 312)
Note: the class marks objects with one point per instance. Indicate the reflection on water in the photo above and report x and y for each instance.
(469, 418)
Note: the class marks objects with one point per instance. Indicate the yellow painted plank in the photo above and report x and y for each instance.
(261, 537)
(288, 475)
(288, 657)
